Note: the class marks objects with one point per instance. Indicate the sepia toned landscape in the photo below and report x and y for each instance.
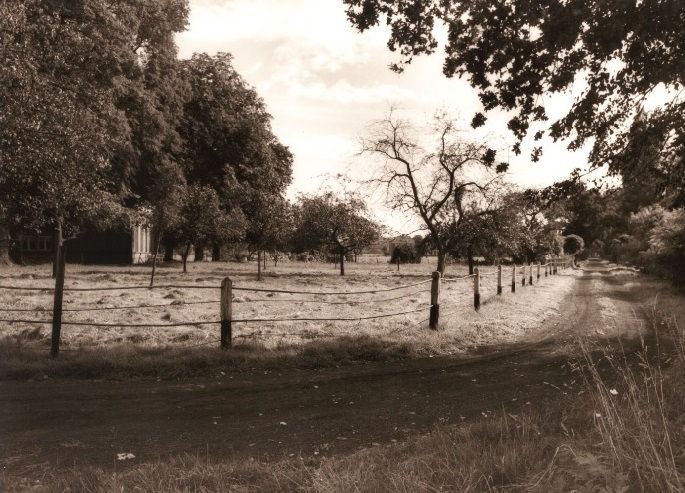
(342, 246)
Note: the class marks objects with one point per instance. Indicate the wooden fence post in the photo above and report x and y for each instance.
(499, 279)
(513, 279)
(435, 301)
(476, 289)
(57, 302)
(226, 313)
(523, 278)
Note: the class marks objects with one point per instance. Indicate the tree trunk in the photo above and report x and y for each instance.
(168, 251)
(199, 253)
(56, 242)
(186, 252)
(441, 262)
(4, 244)
(342, 263)
(469, 255)
(154, 260)
(264, 260)
(259, 264)
(216, 253)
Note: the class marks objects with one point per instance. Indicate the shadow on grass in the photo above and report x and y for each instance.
(21, 360)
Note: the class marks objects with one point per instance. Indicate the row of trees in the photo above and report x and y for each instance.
(322, 225)
(103, 125)
(632, 228)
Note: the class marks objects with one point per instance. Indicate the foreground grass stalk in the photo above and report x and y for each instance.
(640, 412)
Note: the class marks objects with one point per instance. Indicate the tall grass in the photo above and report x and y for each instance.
(640, 410)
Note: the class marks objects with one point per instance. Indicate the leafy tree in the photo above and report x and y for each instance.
(228, 142)
(432, 173)
(326, 223)
(625, 245)
(405, 254)
(493, 233)
(271, 226)
(167, 194)
(514, 53)
(203, 220)
(541, 223)
(60, 127)
(70, 146)
(666, 252)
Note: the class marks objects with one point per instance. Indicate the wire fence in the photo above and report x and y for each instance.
(527, 274)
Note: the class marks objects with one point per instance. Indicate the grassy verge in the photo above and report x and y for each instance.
(126, 361)
(624, 431)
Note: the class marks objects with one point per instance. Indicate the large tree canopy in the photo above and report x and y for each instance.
(88, 96)
(229, 142)
(515, 51)
(100, 118)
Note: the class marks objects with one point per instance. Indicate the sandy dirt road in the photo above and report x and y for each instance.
(64, 423)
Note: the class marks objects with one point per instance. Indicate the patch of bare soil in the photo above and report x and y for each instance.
(58, 424)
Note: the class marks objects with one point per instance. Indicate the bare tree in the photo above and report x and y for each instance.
(434, 172)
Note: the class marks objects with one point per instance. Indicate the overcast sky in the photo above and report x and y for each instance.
(323, 83)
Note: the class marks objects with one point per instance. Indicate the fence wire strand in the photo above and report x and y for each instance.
(112, 288)
(99, 308)
(452, 279)
(325, 302)
(339, 319)
(330, 293)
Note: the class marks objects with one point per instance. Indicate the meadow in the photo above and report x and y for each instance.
(345, 317)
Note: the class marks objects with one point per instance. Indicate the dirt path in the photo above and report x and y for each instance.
(58, 424)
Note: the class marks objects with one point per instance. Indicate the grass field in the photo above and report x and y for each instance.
(501, 318)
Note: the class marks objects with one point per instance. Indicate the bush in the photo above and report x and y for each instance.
(573, 244)
(405, 254)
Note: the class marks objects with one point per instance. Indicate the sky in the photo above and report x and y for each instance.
(324, 83)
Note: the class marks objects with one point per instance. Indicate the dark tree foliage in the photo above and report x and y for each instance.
(203, 221)
(271, 226)
(405, 254)
(573, 244)
(88, 96)
(515, 51)
(229, 144)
